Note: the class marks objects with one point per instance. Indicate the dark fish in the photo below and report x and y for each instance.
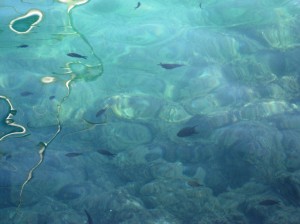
(73, 154)
(26, 93)
(5, 156)
(75, 55)
(187, 131)
(23, 46)
(90, 220)
(170, 66)
(106, 153)
(269, 202)
(51, 97)
(100, 112)
(8, 156)
(138, 5)
(194, 183)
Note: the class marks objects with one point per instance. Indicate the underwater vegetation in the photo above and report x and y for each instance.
(149, 112)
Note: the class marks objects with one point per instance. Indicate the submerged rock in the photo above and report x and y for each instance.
(291, 144)
(248, 150)
(288, 185)
(5, 188)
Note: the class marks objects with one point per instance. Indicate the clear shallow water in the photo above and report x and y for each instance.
(209, 136)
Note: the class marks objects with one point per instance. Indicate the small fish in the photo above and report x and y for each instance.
(187, 131)
(75, 55)
(73, 154)
(100, 112)
(8, 156)
(194, 183)
(170, 66)
(26, 93)
(269, 202)
(23, 46)
(5, 156)
(51, 97)
(106, 153)
(90, 220)
(138, 5)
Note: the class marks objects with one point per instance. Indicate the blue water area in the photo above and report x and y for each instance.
(159, 112)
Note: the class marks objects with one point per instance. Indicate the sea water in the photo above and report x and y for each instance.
(149, 111)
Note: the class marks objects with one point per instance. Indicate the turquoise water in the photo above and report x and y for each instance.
(149, 112)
